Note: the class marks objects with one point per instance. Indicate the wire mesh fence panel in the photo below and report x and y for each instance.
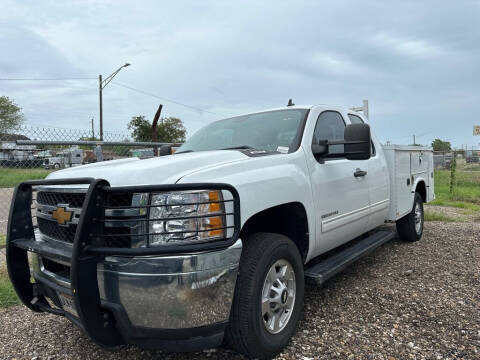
(466, 180)
(457, 177)
(442, 159)
(20, 160)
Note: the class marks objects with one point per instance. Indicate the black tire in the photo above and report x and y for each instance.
(246, 332)
(56, 166)
(406, 226)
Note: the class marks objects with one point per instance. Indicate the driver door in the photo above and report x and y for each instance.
(341, 196)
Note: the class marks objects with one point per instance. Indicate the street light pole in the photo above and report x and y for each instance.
(101, 105)
(101, 86)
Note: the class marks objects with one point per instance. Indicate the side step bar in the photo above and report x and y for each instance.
(325, 269)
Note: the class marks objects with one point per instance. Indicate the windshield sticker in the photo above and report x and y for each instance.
(282, 149)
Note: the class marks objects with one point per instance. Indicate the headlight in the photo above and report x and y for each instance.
(185, 217)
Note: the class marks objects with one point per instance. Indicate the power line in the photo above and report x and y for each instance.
(118, 84)
(166, 99)
(46, 79)
(409, 136)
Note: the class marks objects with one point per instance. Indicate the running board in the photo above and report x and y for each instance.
(325, 269)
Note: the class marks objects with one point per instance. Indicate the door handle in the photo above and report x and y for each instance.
(359, 173)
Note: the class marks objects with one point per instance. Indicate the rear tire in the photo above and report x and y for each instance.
(253, 329)
(410, 227)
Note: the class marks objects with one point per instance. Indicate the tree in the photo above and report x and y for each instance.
(440, 145)
(11, 116)
(141, 128)
(170, 129)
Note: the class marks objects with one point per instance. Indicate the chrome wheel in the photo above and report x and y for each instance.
(418, 218)
(278, 296)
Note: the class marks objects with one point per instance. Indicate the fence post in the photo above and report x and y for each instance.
(99, 153)
(453, 165)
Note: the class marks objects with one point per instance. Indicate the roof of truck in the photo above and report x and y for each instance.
(303, 107)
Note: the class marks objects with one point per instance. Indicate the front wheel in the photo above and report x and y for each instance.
(410, 227)
(268, 296)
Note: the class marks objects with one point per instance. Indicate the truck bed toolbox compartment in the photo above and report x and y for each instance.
(407, 166)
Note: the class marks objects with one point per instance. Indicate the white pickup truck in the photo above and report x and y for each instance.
(215, 242)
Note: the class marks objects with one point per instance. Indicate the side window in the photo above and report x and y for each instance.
(330, 126)
(354, 119)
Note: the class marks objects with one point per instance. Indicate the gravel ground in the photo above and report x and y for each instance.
(404, 301)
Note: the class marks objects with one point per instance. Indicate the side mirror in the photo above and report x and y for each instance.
(320, 149)
(357, 142)
(165, 150)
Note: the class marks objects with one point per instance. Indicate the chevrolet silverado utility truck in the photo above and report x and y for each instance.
(214, 243)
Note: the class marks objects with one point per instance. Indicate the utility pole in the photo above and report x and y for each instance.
(101, 86)
(414, 139)
(93, 130)
(101, 105)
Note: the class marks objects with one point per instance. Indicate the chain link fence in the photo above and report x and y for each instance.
(465, 159)
(28, 153)
(442, 159)
(457, 177)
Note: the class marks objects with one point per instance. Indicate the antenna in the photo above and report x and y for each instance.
(290, 102)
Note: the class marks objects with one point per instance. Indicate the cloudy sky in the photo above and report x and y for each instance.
(418, 63)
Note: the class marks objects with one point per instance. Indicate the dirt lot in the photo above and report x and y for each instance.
(404, 301)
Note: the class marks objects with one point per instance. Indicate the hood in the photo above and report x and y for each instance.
(159, 170)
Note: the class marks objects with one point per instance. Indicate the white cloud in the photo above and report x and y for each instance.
(412, 60)
(410, 47)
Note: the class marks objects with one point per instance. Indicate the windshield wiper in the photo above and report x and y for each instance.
(183, 152)
(239, 147)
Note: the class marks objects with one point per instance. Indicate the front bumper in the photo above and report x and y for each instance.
(175, 301)
(185, 298)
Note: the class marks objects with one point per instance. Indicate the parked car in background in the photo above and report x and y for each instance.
(472, 156)
(65, 158)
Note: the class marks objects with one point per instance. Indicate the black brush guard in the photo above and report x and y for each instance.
(95, 320)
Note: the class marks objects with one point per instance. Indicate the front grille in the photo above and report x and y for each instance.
(67, 233)
(74, 200)
(52, 229)
(119, 200)
(56, 268)
(57, 232)
(122, 240)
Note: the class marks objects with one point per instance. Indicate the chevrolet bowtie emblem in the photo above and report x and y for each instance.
(61, 215)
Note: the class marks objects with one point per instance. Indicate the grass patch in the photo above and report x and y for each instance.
(466, 194)
(456, 204)
(434, 216)
(11, 177)
(3, 241)
(8, 297)
(472, 167)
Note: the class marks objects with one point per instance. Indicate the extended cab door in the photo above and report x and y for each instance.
(340, 191)
(378, 181)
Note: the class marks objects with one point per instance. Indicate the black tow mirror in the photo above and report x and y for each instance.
(320, 149)
(165, 150)
(357, 142)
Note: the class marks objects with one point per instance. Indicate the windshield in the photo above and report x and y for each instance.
(272, 131)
